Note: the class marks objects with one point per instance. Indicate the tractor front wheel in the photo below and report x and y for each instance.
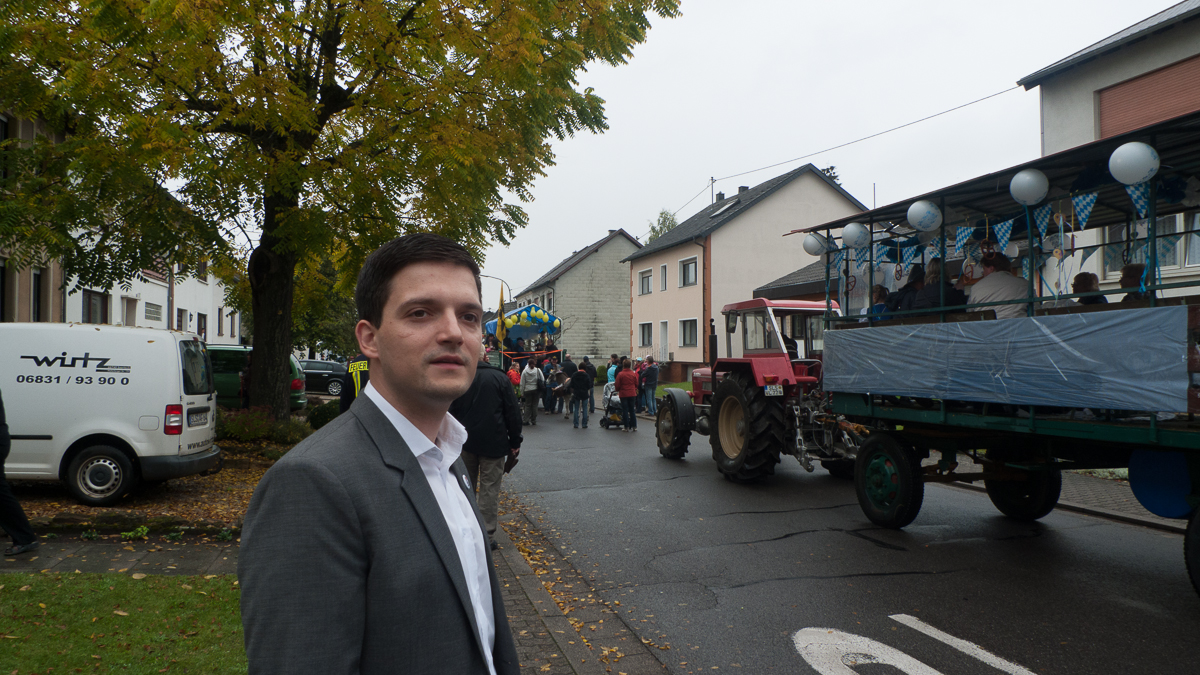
(673, 425)
(887, 478)
(746, 429)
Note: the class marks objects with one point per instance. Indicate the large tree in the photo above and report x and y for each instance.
(314, 125)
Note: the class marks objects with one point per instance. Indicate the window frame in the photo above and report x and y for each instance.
(695, 321)
(683, 263)
(663, 272)
(646, 281)
(646, 329)
(157, 310)
(86, 313)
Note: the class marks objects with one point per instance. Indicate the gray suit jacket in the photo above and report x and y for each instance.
(347, 565)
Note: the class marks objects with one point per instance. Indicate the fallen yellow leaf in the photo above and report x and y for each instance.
(120, 613)
(138, 575)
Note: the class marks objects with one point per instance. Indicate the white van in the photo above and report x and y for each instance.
(103, 407)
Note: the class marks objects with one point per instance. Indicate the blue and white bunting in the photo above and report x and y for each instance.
(909, 255)
(1003, 232)
(935, 248)
(1083, 207)
(1140, 195)
(1112, 257)
(960, 238)
(1041, 216)
(1087, 253)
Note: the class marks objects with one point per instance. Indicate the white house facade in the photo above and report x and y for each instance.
(682, 279)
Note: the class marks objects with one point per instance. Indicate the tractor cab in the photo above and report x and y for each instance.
(781, 341)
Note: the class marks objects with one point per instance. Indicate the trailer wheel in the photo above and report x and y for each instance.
(1026, 500)
(888, 481)
(1191, 549)
(839, 468)
(100, 475)
(674, 423)
(746, 429)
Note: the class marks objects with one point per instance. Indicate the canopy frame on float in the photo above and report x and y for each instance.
(535, 327)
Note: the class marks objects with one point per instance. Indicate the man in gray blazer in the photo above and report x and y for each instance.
(362, 550)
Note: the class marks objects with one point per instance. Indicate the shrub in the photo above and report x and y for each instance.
(254, 424)
(138, 532)
(324, 414)
(290, 432)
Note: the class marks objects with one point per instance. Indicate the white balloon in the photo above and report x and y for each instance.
(924, 216)
(1010, 251)
(815, 244)
(856, 235)
(1133, 163)
(1029, 187)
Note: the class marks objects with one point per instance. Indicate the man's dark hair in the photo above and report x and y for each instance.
(375, 279)
(998, 262)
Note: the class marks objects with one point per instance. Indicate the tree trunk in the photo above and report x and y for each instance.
(272, 283)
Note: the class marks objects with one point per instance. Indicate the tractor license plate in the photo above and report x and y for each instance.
(774, 389)
(198, 419)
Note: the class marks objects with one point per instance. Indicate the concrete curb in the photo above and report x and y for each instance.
(114, 523)
(1096, 511)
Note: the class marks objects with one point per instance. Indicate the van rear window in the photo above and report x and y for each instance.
(197, 370)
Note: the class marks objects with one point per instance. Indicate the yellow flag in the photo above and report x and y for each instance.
(500, 329)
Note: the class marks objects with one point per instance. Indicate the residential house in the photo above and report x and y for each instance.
(681, 280)
(1144, 74)
(589, 293)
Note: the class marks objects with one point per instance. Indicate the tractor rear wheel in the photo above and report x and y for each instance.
(887, 478)
(746, 429)
(671, 430)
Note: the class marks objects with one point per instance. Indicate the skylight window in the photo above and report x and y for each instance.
(726, 207)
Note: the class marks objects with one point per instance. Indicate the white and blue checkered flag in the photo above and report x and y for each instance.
(1167, 246)
(1041, 216)
(1003, 232)
(1140, 194)
(960, 238)
(1025, 267)
(1083, 207)
(1087, 253)
(909, 255)
(880, 252)
(935, 248)
(1112, 256)
(836, 258)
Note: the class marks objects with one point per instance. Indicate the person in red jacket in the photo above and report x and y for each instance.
(627, 389)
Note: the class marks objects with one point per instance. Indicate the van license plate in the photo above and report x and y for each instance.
(198, 419)
(774, 389)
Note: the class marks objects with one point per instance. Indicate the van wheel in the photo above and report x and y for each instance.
(335, 388)
(100, 476)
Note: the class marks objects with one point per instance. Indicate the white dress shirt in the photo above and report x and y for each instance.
(999, 286)
(435, 460)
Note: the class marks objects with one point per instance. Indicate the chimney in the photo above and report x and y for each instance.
(720, 196)
(743, 188)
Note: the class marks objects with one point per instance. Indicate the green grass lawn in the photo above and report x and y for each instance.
(686, 386)
(113, 623)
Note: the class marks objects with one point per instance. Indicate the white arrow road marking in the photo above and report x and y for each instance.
(961, 645)
(832, 652)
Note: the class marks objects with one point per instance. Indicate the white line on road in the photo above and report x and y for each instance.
(961, 645)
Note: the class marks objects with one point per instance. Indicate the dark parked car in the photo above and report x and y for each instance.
(228, 362)
(323, 376)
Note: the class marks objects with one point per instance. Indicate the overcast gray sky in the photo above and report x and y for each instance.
(729, 87)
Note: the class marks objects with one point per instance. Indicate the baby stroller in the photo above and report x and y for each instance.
(612, 417)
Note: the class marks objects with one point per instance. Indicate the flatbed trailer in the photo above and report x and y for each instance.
(1059, 388)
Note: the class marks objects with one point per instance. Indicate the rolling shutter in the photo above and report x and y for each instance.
(1156, 96)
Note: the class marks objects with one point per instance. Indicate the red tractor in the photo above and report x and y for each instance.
(765, 404)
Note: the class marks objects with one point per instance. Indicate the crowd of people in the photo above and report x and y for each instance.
(927, 288)
(569, 388)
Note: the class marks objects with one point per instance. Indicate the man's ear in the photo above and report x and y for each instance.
(366, 334)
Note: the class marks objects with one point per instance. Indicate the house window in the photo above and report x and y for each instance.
(232, 329)
(220, 321)
(687, 272)
(202, 273)
(662, 282)
(1191, 223)
(1170, 252)
(181, 320)
(645, 282)
(549, 302)
(3, 288)
(645, 334)
(202, 326)
(95, 307)
(35, 308)
(687, 333)
(153, 312)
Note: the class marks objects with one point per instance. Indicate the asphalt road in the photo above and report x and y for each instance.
(790, 577)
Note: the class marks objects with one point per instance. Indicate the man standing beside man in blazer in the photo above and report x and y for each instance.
(362, 550)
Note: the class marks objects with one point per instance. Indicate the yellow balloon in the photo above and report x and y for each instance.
(508, 322)
(557, 323)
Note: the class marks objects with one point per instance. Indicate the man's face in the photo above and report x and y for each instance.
(429, 336)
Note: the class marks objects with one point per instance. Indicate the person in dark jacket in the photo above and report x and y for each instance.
(12, 516)
(580, 387)
(590, 367)
(492, 417)
(356, 378)
(930, 296)
(902, 300)
(650, 384)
